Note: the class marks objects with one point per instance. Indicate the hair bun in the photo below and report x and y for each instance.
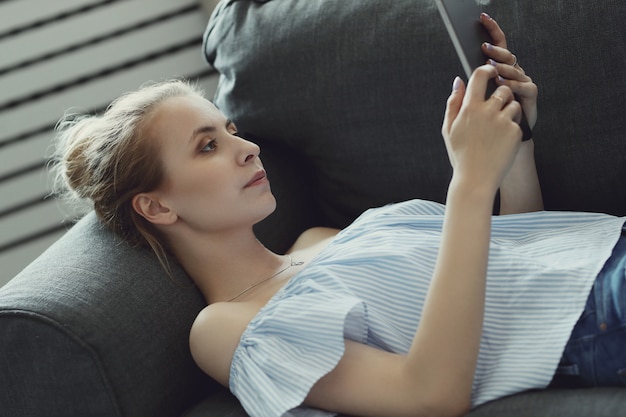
(73, 160)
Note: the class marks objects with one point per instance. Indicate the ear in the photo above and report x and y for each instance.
(151, 209)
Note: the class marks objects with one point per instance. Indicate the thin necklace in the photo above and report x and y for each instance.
(291, 263)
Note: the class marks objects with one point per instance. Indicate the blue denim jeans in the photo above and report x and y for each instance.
(596, 352)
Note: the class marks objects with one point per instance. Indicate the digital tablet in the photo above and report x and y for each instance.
(462, 20)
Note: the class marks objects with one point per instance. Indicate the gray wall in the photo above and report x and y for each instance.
(77, 54)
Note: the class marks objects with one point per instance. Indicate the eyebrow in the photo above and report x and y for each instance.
(207, 129)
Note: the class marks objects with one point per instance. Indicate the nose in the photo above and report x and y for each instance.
(248, 152)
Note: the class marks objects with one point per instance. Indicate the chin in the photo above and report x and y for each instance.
(269, 209)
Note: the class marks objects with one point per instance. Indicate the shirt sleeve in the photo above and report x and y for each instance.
(293, 342)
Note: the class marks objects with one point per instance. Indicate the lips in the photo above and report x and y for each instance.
(258, 178)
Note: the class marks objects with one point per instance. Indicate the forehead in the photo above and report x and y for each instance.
(177, 116)
(192, 106)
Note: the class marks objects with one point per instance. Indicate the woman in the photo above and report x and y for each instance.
(392, 316)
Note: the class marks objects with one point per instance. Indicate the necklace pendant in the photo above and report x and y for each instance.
(292, 263)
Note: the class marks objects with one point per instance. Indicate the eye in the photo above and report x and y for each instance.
(210, 146)
(232, 129)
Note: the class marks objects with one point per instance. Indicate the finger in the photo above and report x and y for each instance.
(477, 84)
(515, 63)
(526, 93)
(497, 35)
(510, 72)
(501, 97)
(513, 110)
(499, 54)
(522, 87)
(453, 105)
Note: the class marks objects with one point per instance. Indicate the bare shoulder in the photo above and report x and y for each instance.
(312, 237)
(214, 336)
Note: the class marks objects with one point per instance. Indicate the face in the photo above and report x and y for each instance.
(214, 180)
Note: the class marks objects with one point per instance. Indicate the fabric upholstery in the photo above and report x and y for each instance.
(550, 403)
(95, 328)
(543, 403)
(356, 91)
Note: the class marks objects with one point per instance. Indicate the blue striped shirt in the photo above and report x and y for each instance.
(370, 283)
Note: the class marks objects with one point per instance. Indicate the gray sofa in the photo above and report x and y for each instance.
(346, 100)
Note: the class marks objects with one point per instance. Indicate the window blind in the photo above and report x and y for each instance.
(78, 55)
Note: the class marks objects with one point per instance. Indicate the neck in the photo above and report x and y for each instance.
(223, 266)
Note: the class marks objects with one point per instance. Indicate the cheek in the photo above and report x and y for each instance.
(211, 194)
(201, 193)
(194, 179)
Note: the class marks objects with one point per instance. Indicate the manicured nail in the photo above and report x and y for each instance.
(492, 62)
(486, 16)
(456, 84)
(500, 79)
(488, 46)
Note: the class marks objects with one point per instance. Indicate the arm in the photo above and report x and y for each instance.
(520, 191)
(435, 377)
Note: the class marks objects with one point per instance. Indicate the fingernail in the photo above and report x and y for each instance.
(456, 84)
(486, 16)
(488, 46)
(492, 62)
(500, 79)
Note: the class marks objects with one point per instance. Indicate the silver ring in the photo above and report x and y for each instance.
(514, 64)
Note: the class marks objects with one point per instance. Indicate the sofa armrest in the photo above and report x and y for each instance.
(40, 363)
(98, 328)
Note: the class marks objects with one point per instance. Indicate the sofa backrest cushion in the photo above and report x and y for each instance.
(353, 92)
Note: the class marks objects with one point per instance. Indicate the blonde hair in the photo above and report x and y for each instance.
(104, 161)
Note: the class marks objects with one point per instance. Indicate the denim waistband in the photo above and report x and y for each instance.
(595, 353)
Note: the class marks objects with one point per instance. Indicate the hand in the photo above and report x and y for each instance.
(482, 136)
(509, 71)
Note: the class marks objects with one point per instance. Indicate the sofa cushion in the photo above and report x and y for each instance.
(570, 48)
(589, 402)
(604, 402)
(351, 88)
(356, 91)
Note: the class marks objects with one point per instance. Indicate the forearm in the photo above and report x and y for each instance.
(445, 350)
(435, 377)
(520, 191)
